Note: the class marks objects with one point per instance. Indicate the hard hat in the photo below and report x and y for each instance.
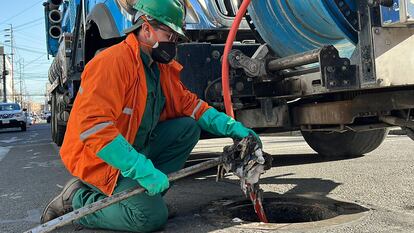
(168, 12)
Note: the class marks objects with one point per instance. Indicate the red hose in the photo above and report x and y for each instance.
(225, 66)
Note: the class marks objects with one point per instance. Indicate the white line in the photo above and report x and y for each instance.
(3, 152)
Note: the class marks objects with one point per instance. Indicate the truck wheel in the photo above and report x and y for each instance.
(347, 144)
(58, 131)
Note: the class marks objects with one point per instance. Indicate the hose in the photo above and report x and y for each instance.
(225, 66)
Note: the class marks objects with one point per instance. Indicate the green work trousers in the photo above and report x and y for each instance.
(169, 147)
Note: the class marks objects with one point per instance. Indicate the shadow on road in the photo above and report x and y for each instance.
(280, 160)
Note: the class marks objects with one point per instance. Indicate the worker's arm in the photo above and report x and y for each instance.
(220, 124)
(100, 103)
(207, 117)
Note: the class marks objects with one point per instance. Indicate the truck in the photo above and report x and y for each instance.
(338, 71)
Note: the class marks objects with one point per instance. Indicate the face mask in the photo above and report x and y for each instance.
(164, 52)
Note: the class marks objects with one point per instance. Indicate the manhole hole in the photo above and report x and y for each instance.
(284, 210)
(278, 211)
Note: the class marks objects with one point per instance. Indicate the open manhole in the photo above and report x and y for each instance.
(284, 211)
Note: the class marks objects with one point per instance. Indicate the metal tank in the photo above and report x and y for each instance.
(295, 26)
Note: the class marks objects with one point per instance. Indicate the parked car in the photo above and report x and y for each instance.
(12, 116)
(48, 116)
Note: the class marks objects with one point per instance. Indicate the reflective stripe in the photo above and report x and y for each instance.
(94, 129)
(80, 90)
(200, 102)
(127, 111)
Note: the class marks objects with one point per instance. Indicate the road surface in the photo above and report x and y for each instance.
(381, 181)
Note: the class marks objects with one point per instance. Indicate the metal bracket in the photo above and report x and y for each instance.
(365, 47)
(337, 73)
(252, 67)
(267, 109)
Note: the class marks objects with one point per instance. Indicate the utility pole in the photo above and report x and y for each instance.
(12, 61)
(4, 73)
(21, 64)
(12, 56)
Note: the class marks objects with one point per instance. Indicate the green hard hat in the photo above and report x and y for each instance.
(168, 12)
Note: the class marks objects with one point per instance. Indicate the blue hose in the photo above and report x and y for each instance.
(295, 26)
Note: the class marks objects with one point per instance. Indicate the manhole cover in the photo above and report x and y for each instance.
(284, 211)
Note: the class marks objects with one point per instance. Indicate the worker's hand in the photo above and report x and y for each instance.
(149, 177)
(154, 183)
(239, 132)
(121, 155)
(220, 124)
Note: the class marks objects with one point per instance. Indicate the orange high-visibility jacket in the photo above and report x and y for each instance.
(111, 101)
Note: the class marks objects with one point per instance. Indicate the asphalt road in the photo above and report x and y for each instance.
(381, 181)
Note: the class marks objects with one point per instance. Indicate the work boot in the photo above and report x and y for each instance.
(62, 203)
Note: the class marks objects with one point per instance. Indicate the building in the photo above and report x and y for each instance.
(5, 63)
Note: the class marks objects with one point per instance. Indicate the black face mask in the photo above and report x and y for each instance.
(164, 52)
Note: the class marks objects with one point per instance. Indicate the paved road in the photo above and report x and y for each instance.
(381, 181)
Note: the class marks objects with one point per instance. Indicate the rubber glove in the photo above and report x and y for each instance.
(121, 155)
(220, 124)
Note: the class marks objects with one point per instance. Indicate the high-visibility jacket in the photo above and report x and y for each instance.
(111, 101)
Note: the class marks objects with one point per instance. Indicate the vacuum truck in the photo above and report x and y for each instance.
(340, 71)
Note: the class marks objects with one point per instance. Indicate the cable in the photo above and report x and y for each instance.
(21, 12)
(24, 49)
(225, 65)
(27, 37)
(36, 59)
(29, 27)
(27, 23)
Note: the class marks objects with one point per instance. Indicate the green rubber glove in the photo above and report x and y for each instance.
(121, 155)
(220, 124)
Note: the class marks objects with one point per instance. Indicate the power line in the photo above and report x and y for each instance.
(26, 37)
(29, 26)
(29, 22)
(36, 59)
(25, 49)
(21, 12)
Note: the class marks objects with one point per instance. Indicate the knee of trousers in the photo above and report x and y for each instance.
(155, 220)
(191, 130)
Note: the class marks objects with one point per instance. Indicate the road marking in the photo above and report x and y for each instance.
(3, 152)
(13, 139)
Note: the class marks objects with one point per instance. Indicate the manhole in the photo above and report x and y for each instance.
(284, 211)
(278, 211)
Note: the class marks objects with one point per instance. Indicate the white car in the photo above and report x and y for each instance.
(12, 116)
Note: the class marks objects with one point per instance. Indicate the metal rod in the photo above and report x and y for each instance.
(293, 73)
(91, 208)
(294, 60)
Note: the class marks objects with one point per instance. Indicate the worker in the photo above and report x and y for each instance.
(132, 123)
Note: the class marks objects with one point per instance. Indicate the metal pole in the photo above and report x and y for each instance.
(20, 82)
(91, 208)
(294, 60)
(4, 79)
(12, 61)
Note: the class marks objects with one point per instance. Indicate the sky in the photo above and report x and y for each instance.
(27, 19)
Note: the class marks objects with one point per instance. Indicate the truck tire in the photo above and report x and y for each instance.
(347, 144)
(58, 131)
